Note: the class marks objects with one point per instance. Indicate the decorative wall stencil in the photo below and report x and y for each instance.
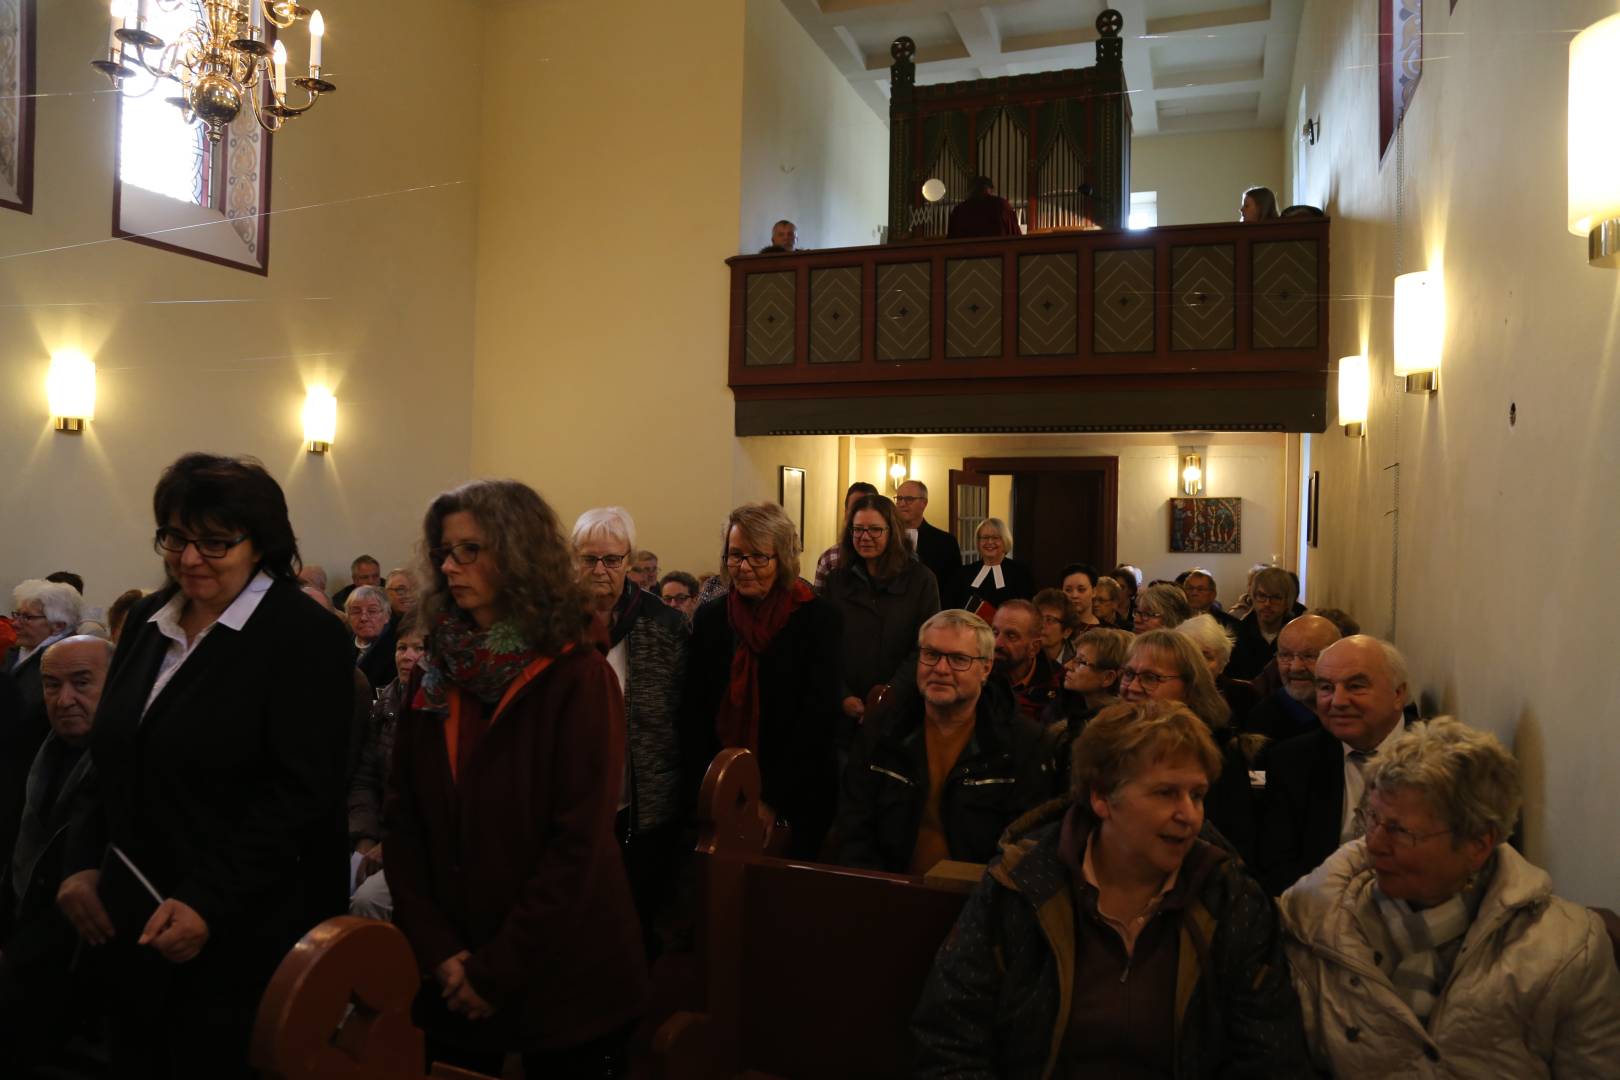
(903, 317)
(1047, 305)
(1122, 301)
(1204, 312)
(1210, 526)
(972, 308)
(835, 315)
(1285, 295)
(17, 25)
(244, 156)
(770, 319)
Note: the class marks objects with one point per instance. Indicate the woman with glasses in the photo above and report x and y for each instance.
(507, 774)
(1430, 947)
(884, 594)
(219, 749)
(994, 577)
(371, 621)
(646, 647)
(765, 674)
(1161, 606)
(1060, 625)
(1090, 678)
(1166, 666)
(1108, 939)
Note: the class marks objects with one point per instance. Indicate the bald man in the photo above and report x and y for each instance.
(34, 974)
(1290, 709)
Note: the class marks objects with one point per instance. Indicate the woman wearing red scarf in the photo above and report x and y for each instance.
(506, 776)
(763, 672)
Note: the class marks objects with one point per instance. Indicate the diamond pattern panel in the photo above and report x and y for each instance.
(769, 320)
(1285, 295)
(1048, 306)
(1122, 301)
(1204, 311)
(972, 308)
(903, 313)
(835, 315)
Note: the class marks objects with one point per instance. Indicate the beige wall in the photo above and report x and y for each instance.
(1201, 178)
(813, 151)
(370, 288)
(1505, 533)
(1249, 466)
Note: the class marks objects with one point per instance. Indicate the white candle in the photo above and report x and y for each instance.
(120, 10)
(317, 32)
(256, 15)
(279, 58)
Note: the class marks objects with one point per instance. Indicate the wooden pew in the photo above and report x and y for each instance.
(339, 1008)
(808, 970)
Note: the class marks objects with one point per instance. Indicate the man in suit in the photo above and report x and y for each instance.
(936, 548)
(1290, 709)
(1315, 782)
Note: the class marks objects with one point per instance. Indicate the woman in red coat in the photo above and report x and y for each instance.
(506, 776)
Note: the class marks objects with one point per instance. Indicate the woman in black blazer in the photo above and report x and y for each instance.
(994, 576)
(218, 751)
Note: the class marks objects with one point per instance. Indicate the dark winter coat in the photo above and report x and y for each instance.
(656, 656)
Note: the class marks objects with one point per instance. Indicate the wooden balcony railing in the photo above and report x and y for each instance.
(1194, 326)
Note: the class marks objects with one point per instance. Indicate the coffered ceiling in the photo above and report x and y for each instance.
(1191, 65)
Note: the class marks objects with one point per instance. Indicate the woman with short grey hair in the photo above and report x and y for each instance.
(1430, 940)
(370, 618)
(1161, 607)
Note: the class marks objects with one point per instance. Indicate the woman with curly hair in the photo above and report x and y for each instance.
(506, 777)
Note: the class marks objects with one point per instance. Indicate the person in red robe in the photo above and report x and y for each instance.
(984, 213)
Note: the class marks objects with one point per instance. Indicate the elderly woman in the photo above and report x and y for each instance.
(1059, 625)
(1430, 947)
(219, 750)
(1108, 939)
(1214, 643)
(1107, 603)
(765, 674)
(400, 585)
(508, 769)
(1161, 606)
(371, 622)
(646, 647)
(884, 595)
(994, 576)
(1165, 666)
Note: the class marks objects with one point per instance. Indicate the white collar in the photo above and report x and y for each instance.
(1394, 733)
(235, 616)
(993, 571)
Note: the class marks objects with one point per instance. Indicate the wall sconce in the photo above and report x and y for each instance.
(1420, 329)
(1310, 131)
(320, 420)
(1192, 470)
(1353, 393)
(1594, 154)
(70, 387)
(899, 469)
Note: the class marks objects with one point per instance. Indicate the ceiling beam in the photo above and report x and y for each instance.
(1172, 25)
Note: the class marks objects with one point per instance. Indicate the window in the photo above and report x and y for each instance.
(1144, 210)
(176, 190)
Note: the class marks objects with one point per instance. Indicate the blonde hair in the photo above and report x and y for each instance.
(765, 523)
(1001, 528)
(1470, 780)
(1202, 697)
(1120, 742)
(1110, 646)
(1206, 633)
(956, 618)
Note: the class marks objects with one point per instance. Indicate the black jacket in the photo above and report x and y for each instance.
(880, 627)
(1251, 652)
(377, 662)
(23, 727)
(1005, 769)
(799, 706)
(938, 550)
(1020, 584)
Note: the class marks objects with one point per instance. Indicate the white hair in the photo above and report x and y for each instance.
(1209, 634)
(60, 602)
(368, 592)
(1001, 530)
(610, 522)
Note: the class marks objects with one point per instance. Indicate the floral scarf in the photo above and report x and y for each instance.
(481, 662)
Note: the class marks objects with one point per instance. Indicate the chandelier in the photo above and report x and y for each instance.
(219, 62)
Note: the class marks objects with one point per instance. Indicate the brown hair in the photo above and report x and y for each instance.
(1202, 697)
(896, 549)
(1058, 600)
(764, 523)
(1110, 646)
(1122, 740)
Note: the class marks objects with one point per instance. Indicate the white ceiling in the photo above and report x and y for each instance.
(1191, 65)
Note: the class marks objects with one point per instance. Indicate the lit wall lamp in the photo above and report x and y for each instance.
(1594, 140)
(899, 470)
(1420, 329)
(320, 420)
(70, 387)
(1192, 470)
(1353, 394)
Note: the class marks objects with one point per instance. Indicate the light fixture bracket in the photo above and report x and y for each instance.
(1356, 431)
(73, 425)
(1603, 244)
(1421, 382)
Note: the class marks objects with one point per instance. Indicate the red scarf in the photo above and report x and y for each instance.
(755, 624)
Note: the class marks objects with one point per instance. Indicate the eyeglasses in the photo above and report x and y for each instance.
(371, 611)
(465, 553)
(1079, 662)
(679, 598)
(1258, 595)
(1286, 657)
(400, 590)
(1399, 835)
(23, 616)
(1051, 620)
(930, 658)
(906, 500)
(1150, 680)
(757, 560)
(988, 539)
(209, 547)
(612, 562)
(868, 530)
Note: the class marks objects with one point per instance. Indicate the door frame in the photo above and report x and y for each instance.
(1108, 466)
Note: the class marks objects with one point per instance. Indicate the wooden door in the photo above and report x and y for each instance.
(1057, 520)
(970, 505)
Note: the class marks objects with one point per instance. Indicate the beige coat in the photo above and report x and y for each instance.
(1534, 993)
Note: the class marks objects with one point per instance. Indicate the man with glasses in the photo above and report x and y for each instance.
(401, 589)
(365, 570)
(1315, 783)
(939, 773)
(1290, 709)
(1273, 596)
(935, 548)
(1199, 586)
(679, 590)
